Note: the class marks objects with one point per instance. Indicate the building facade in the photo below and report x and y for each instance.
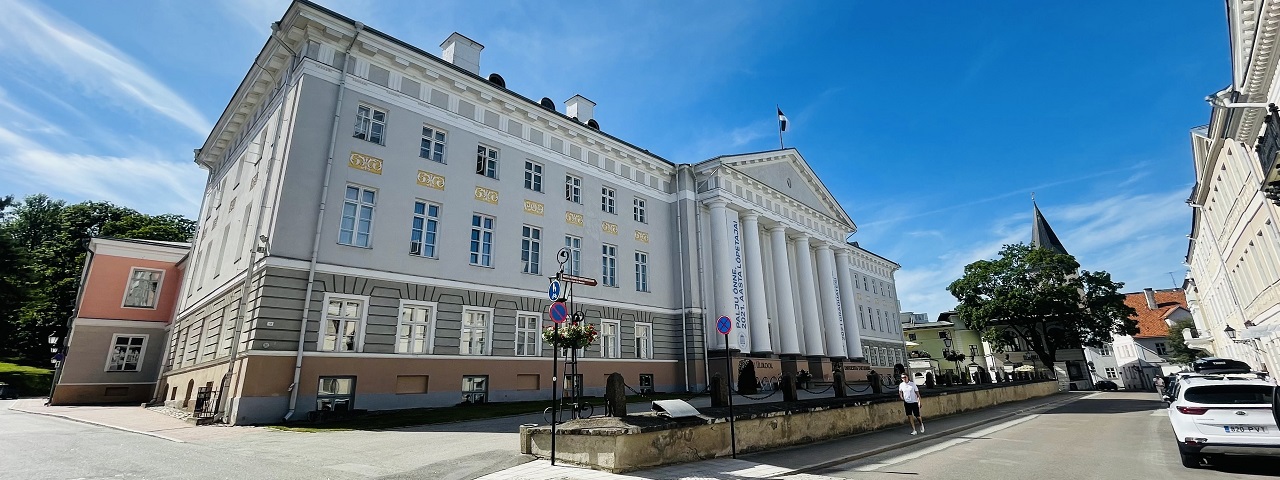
(1234, 249)
(380, 226)
(114, 341)
(1134, 361)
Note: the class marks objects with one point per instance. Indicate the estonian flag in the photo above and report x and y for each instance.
(782, 121)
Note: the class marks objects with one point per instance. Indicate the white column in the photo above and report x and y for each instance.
(758, 311)
(831, 315)
(808, 298)
(787, 335)
(852, 327)
(721, 268)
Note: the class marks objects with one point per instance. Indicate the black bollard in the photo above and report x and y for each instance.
(788, 388)
(719, 391)
(837, 383)
(615, 396)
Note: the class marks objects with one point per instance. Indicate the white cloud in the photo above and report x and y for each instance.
(33, 35)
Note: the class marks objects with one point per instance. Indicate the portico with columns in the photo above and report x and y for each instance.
(775, 261)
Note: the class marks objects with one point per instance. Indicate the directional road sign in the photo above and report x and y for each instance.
(558, 312)
(723, 325)
(590, 282)
(554, 290)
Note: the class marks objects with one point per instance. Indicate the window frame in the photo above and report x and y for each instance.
(611, 343)
(531, 249)
(639, 211)
(608, 265)
(477, 241)
(367, 122)
(432, 144)
(533, 176)
(142, 352)
(427, 219)
(641, 260)
(358, 346)
(350, 397)
(574, 244)
(533, 330)
(355, 226)
(648, 346)
(609, 200)
(124, 302)
(487, 157)
(467, 393)
(573, 188)
(488, 330)
(429, 341)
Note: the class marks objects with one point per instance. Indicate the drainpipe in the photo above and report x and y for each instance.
(684, 304)
(224, 397)
(315, 245)
(702, 283)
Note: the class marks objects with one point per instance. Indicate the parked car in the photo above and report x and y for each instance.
(8, 391)
(1227, 414)
(1106, 385)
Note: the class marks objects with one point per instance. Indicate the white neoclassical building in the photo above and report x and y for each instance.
(1233, 287)
(380, 225)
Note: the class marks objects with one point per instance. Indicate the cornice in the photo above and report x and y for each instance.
(1257, 57)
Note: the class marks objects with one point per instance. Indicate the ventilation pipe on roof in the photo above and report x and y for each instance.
(1151, 298)
(579, 108)
(462, 52)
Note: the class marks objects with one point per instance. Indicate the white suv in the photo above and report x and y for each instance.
(1223, 414)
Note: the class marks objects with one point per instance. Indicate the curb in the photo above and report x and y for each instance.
(100, 424)
(933, 436)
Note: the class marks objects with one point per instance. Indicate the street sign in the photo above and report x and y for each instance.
(723, 325)
(554, 290)
(558, 312)
(590, 282)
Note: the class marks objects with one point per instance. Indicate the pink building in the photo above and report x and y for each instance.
(116, 338)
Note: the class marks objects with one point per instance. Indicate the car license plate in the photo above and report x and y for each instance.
(1244, 428)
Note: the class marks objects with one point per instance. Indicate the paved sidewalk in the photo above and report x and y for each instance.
(130, 419)
(792, 463)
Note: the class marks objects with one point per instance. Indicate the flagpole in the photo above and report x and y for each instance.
(781, 127)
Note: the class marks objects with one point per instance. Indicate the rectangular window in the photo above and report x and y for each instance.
(423, 229)
(475, 388)
(911, 336)
(144, 288)
(342, 321)
(126, 353)
(475, 333)
(336, 394)
(414, 333)
(609, 345)
(642, 272)
(244, 232)
(371, 124)
(487, 161)
(482, 240)
(607, 203)
(609, 266)
(432, 144)
(531, 249)
(528, 337)
(574, 244)
(637, 210)
(357, 216)
(644, 340)
(1105, 350)
(1111, 372)
(573, 188)
(533, 176)
(1161, 350)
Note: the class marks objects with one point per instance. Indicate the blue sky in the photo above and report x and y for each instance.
(932, 125)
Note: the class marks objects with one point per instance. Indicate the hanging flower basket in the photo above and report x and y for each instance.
(571, 335)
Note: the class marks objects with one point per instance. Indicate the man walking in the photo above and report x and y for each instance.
(910, 395)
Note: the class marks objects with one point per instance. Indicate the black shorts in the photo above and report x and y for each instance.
(912, 408)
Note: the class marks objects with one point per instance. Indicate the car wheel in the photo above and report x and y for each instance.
(1191, 460)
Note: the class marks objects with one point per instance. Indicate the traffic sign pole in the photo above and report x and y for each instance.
(724, 325)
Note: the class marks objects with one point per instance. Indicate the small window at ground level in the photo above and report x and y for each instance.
(1230, 394)
(336, 394)
(475, 388)
(646, 383)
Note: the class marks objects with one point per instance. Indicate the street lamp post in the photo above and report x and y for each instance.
(1251, 342)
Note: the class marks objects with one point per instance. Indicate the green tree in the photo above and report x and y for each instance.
(14, 281)
(1179, 352)
(1041, 297)
(52, 236)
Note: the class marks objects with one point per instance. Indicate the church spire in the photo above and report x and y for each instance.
(1042, 234)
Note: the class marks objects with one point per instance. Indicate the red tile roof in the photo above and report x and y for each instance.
(1151, 322)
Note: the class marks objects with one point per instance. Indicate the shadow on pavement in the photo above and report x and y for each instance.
(1109, 405)
(1268, 466)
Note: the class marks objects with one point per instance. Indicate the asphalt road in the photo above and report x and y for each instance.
(1118, 435)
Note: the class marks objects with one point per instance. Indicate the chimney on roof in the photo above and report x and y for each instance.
(1151, 298)
(462, 51)
(580, 108)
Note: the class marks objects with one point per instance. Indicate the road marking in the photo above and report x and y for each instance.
(944, 445)
(1091, 395)
(1160, 413)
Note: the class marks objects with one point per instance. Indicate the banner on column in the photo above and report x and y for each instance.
(741, 341)
(835, 280)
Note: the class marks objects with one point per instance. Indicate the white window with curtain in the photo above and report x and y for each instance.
(343, 323)
(476, 324)
(609, 339)
(126, 353)
(644, 340)
(416, 330)
(144, 288)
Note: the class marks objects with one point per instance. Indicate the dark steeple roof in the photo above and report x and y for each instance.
(1042, 234)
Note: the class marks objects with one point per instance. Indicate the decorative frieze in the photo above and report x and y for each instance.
(431, 180)
(371, 164)
(486, 195)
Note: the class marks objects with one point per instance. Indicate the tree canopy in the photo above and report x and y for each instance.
(42, 253)
(1179, 352)
(1041, 297)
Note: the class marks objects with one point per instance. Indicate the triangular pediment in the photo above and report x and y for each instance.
(787, 172)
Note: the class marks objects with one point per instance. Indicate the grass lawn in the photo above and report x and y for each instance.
(30, 381)
(430, 416)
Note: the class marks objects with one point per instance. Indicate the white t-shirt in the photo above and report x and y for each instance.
(910, 393)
